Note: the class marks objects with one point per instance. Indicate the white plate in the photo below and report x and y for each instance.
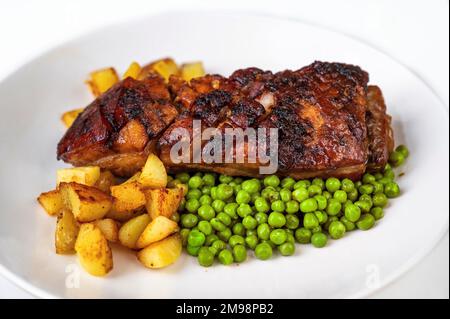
(33, 98)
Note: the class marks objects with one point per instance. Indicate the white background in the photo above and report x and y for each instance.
(416, 33)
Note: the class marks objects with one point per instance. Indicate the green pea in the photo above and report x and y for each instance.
(347, 185)
(319, 240)
(206, 212)
(321, 217)
(285, 195)
(238, 180)
(278, 206)
(402, 149)
(184, 233)
(183, 177)
(210, 239)
(209, 180)
(318, 182)
(225, 257)
(196, 238)
(377, 213)
(182, 205)
(333, 207)
(244, 210)
(378, 176)
(329, 221)
(261, 205)
(219, 245)
(250, 232)
(290, 237)
(396, 159)
(206, 190)
(205, 227)
(349, 226)
(286, 249)
(270, 194)
(242, 197)
(175, 217)
(380, 200)
(368, 178)
(292, 222)
(189, 220)
(204, 200)
(309, 205)
(377, 187)
(302, 184)
(224, 219)
(238, 229)
(218, 205)
(224, 192)
(251, 186)
(288, 183)
(263, 231)
(366, 198)
(392, 190)
(389, 175)
(337, 230)
(217, 224)
(193, 193)
(352, 213)
(310, 221)
(271, 180)
(261, 218)
(192, 250)
(364, 205)
(316, 229)
(278, 236)
(195, 182)
(332, 184)
(213, 192)
(205, 257)
(366, 189)
(340, 196)
(276, 220)
(236, 240)
(314, 190)
(239, 253)
(353, 195)
(327, 195)
(358, 184)
(231, 210)
(263, 251)
(236, 189)
(292, 207)
(366, 222)
(300, 194)
(251, 241)
(225, 179)
(249, 222)
(303, 235)
(321, 201)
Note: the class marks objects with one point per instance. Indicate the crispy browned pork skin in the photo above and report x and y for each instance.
(330, 122)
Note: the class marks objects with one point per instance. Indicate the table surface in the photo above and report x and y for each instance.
(411, 31)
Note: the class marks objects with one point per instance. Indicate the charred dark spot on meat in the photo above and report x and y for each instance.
(208, 107)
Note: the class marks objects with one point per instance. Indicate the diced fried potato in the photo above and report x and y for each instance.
(128, 196)
(93, 250)
(101, 80)
(159, 228)
(154, 173)
(69, 117)
(87, 203)
(132, 229)
(105, 181)
(192, 70)
(163, 201)
(161, 253)
(52, 202)
(133, 71)
(134, 178)
(109, 228)
(123, 216)
(164, 67)
(66, 233)
(86, 175)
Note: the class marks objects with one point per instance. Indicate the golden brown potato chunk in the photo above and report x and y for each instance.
(51, 202)
(159, 228)
(132, 229)
(66, 233)
(161, 253)
(163, 201)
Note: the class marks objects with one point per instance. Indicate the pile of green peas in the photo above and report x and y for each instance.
(223, 218)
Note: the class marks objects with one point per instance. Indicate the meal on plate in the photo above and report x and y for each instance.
(170, 157)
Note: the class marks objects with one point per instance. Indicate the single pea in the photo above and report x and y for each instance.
(238, 229)
(309, 205)
(224, 191)
(300, 194)
(287, 249)
(402, 149)
(209, 179)
(196, 238)
(204, 200)
(271, 180)
(251, 186)
(261, 205)
(377, 187)
(333, 207)
(231, 210)
(314, 190)
(261, 218)
(236, 189)
(236, 240)
(366, 222)
(292, 221)
(225, 257)
(387, 167)
(396, 159)
(244, 210)
(270, 194)
(249, 222)
(366, 189)
(366, 198)
(288, 183)
(242, 197)
(219, 245)
(217, 224)
(368, 178)
(292, 207)
(218, 205)
(353, 195)
(377, 213)
(352, 213)
(175, 217)
(205, 257)
(268, 242)
(378, 176)
(358, 184)
(364, 205)
(319, 240)
(329, 221)
(210, 239)
(192, 250)
(285, 195)
(347, 203)
(349, 226)
(184, 233)
(278, 236)
(389, 174)
(332, 184)
(250, 232)
(251, 241)
(263, 231)
(239, 253)
(317, 229)
(225, 179)
(340, 196)
(278, 206)
(347, 185)
(206, 212)
(302, 184)
(195, 182)
(310, 221)
(213, 192)
(183, 177)
(322, 217)
(205, 227)
(276, 220)
(189, 220)
(321, 201)
(337, 230)
(303, 235)
(384, 181)
(319, 182)
(392, 190)
(263, 251)
(380, 200)
(224, 219)
(206, 190)
(193, 193)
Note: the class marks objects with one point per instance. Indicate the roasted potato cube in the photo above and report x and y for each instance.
(164, 67)
(154, 173)
(51, 202)
(93, 250)
(133, 71)
(163, 201)
(86, 203)
(69, 117)
(109, 228)
(86, 175)
(161, 253)
(132, 229)
(192, 70)
(101, 80)
(105, 181)
(66, 233)
(134, 178)
(159, 228)
(124, 216)
(127, 196)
